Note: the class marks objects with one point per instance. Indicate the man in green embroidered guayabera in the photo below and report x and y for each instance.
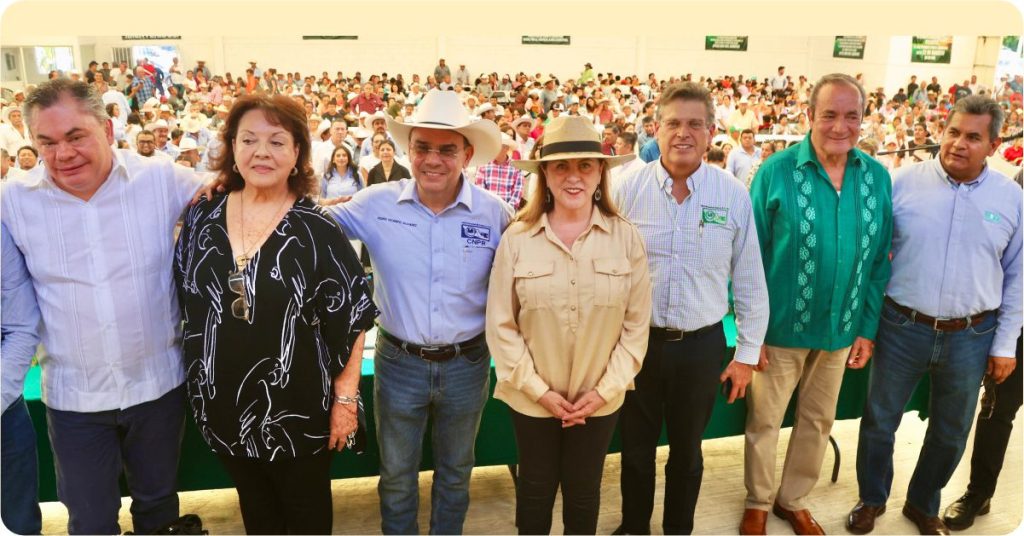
(824, 220)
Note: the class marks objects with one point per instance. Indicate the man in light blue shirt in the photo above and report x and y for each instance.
(953, 310)
(742, 160)
(19, 475)
(431, 242)
(698, 227)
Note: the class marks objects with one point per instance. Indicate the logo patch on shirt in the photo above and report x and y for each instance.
(475, 234)
(991, 216)
(714, 215)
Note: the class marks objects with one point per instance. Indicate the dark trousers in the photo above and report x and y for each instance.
(993, 432)
(19, 474)
(549, 456)
(677, 385)
(288, 496)
(91, 449)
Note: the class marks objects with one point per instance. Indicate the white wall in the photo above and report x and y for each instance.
(886, 58)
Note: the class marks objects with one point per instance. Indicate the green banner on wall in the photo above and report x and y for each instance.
(931, 49)
(849, 46)
(725, 42)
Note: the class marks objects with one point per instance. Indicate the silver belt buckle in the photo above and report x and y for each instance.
(426, 349)
(675, 337)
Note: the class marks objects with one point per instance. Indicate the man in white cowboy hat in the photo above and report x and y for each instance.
(162, 131)
(13, 131)
(431, 241)
(524, 143)
(742, 118)
(500, 177)
(376, 123)
(485, 111)
(699, 229)
(190, 151)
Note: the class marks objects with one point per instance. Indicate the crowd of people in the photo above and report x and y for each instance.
(184, 240)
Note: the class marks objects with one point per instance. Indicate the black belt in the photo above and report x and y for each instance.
(939, 324)
(436, 352)
(669, 334)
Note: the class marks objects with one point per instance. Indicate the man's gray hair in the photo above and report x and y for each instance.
(836, 78)
(980, 105)
(687, 91)
(49, 93)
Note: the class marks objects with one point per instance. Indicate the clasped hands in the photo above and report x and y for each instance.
(569, 413)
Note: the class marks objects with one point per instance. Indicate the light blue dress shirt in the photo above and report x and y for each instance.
(956, 248)
(741, 162)
(19, 325)
(694, 248)
(431, 270)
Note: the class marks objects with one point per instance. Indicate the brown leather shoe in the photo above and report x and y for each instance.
(754, 521)
(801, 520)
(862, 518)
(925, 524)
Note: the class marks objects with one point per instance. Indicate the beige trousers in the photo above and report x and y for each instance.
(820, 375)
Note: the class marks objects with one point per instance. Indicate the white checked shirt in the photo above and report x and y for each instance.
(102, 275)
(694, 248)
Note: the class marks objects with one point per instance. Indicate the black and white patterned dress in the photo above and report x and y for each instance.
(262, 388)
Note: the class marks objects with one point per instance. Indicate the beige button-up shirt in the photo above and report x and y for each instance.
(568, 320)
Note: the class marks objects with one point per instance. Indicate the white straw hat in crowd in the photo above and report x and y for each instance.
(441, 110)
(569, 137)
(188, 144)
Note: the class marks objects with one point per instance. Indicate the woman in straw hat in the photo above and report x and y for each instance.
(568, 312)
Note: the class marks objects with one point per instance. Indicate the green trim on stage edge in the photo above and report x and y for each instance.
(495, 444)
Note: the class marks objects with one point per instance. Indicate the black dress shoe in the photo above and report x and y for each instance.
(925, 524)
(862, 518)
(960, 515)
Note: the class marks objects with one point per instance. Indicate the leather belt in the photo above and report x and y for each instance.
(939, 324)
(670, 335)
(437, 353)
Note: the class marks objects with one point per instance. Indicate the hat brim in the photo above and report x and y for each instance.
(483, 136)
(533, 166)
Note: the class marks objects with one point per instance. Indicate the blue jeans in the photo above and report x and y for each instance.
(904, 352)
(407, 390)
(19, 474)
(91, 449)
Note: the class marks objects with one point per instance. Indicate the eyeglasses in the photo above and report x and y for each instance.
(239, 307)
(422, 151)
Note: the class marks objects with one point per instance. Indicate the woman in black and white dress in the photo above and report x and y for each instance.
(275, 307)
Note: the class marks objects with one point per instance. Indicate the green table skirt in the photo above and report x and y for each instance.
(495, 444)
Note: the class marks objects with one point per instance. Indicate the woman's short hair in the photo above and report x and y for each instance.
(387, 141)
(278, 110)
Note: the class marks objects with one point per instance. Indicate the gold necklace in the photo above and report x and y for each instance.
(244, 258)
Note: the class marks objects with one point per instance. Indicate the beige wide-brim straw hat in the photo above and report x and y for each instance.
(441, 110)
(569, 137)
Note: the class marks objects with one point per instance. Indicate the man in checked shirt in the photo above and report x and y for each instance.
(500, 177)
(698, 227)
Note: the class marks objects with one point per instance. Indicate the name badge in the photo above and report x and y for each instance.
(714, 215)
(476, 234)
(991, 216)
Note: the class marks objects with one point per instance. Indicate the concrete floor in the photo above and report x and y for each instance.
(492, 508)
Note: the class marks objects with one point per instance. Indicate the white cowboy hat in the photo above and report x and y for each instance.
(188, 144)
(159, 123)
(194, 123)
(359, 133)
(522, 119)
(441, 110)
(484, 108)
(367, 121)
(571, 137)
(507, 141)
